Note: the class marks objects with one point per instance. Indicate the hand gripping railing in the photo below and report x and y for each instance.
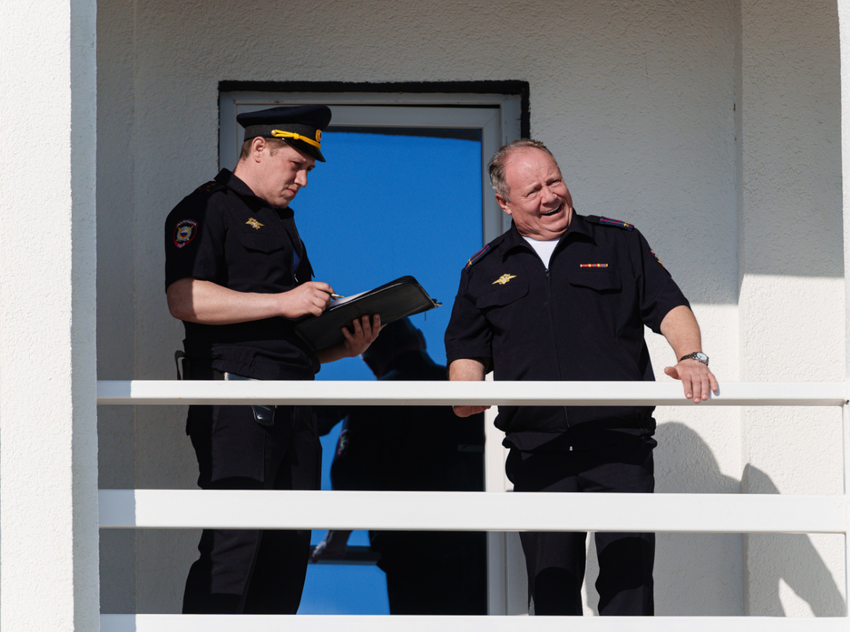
(476, 511)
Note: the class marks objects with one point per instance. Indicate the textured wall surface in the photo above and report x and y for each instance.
(791, 303)
(115, 286)
(48, 440)
(675, 116)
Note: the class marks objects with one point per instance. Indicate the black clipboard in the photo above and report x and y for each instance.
(393, 301)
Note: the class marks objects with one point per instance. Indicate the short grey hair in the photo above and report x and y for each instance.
(496, 166)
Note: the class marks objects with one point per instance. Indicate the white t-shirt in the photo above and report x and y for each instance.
(544, 249)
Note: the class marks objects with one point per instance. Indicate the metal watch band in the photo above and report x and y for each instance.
(699, 356)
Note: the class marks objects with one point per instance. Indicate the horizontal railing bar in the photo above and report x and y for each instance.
(353, 393)
(472, 511)
(378, 623)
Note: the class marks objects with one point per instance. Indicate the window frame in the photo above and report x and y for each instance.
(497, 116)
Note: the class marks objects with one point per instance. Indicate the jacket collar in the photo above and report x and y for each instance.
(232, 182)
(512, 238)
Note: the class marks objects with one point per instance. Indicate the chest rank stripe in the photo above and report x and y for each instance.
(593, 265)
(478, 255)
(615, 222)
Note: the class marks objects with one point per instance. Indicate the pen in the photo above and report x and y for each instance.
(337, 295)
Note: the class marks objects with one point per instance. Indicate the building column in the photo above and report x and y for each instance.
(791, 302)
(48, 407)
(844, 39)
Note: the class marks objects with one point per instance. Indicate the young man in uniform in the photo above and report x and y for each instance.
(562, 296)
(238, 275)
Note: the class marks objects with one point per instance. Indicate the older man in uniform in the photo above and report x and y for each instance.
(562, 296)
(238, 275)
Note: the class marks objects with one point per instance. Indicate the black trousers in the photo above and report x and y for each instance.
(556, 561)
(248, 571)
(434, 572)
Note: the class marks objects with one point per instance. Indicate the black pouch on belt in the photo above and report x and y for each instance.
(263, 415)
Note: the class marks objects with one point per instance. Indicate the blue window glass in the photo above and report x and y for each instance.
(387, 203)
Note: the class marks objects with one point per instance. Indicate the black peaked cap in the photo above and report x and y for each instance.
(298, 126)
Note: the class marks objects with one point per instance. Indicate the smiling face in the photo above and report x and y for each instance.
(537, 198)
(275, 171)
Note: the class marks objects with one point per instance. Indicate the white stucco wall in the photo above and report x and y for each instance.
(116, 304)
(791, 309)
(675, 116)
(48, 439)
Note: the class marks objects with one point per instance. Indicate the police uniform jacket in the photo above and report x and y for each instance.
(409, 448)
(223, 233)
(416, 448)
(582, 319)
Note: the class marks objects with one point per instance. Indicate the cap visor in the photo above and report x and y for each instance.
(305, 148)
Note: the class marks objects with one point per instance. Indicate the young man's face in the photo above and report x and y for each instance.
(282, 172)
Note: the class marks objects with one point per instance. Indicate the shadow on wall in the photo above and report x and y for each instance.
(725, 574)
(791, 558)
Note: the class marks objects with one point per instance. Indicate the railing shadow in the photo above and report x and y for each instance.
(708, 574)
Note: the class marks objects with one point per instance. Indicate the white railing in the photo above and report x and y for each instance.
(373, 623)
(483, 393)
(476, 511)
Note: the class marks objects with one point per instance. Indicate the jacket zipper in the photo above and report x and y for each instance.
(554, 338)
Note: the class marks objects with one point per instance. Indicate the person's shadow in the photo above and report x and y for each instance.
(707, 574)
(791, 558)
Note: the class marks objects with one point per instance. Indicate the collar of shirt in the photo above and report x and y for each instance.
(513, 239)
(232, 182)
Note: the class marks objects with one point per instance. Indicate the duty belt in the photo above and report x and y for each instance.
(263, 415)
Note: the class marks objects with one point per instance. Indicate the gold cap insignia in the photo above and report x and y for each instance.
(504, 279)
(254, 224)
(318, 136)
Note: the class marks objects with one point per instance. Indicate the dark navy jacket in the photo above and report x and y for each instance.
(580, 320)
(409, 448)
(223, 233)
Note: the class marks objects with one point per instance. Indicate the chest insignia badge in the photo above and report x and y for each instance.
(593, 265)
(502, 280)
(254, 224)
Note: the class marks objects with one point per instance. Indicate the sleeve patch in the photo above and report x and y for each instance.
(184, 232)
(656, 258)
(342, 442)
(616, 222)
(478, 255)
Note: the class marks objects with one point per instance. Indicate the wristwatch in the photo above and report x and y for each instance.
(699, 356)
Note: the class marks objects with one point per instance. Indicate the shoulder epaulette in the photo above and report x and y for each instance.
(209, 187)
(477, 256)
(607, 221)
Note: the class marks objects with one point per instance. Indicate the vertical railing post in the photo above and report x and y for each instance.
(494, 482)
(845, 434)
